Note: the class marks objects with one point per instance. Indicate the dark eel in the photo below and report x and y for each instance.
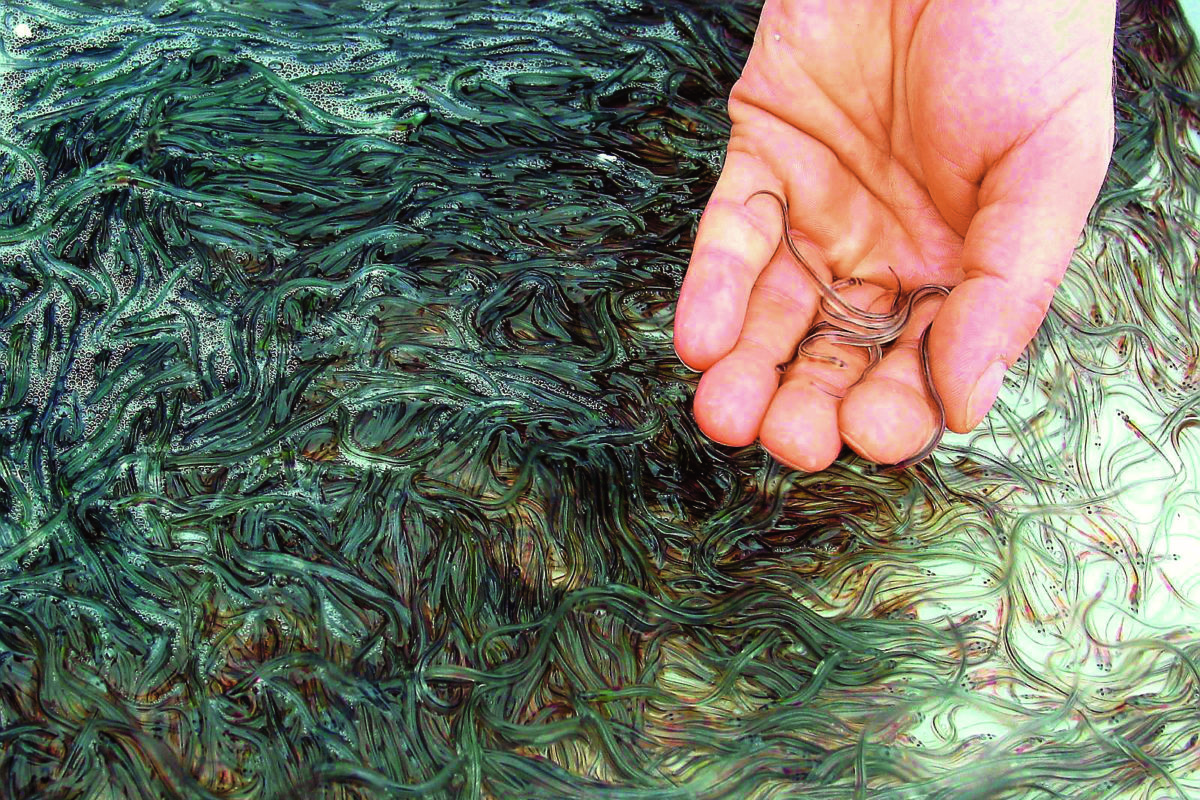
(872, 330)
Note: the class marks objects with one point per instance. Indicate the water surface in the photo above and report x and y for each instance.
(343, 451)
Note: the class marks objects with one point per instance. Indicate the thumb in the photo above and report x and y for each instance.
(1033, 204)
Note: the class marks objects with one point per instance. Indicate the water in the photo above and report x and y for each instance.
(343, 449)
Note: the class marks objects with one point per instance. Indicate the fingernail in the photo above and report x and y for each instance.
(985, 391)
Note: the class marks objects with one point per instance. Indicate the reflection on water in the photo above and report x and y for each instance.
(343, 449)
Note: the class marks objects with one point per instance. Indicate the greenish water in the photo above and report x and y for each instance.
(344, 453)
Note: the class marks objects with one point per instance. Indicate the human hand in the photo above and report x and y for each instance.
(950, 142)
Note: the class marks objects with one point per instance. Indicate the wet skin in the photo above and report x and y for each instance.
(914, 145)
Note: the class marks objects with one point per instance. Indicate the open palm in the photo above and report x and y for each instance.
(953, 142)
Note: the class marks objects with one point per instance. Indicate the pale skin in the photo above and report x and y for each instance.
(951, 142)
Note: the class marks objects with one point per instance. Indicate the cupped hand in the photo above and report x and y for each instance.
(958, 143)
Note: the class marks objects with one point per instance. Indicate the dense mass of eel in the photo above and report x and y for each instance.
(344, 454)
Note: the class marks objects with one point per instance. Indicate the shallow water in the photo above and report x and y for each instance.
(343, 450)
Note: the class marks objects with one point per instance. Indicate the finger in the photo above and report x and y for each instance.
(1033, 206)
(800, 428)
(889, 415)
(734, 393)
(783, 303)
(734, 242)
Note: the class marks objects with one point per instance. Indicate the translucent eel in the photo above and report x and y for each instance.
(848, 325)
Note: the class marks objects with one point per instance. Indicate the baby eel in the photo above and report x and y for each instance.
(848, 325)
